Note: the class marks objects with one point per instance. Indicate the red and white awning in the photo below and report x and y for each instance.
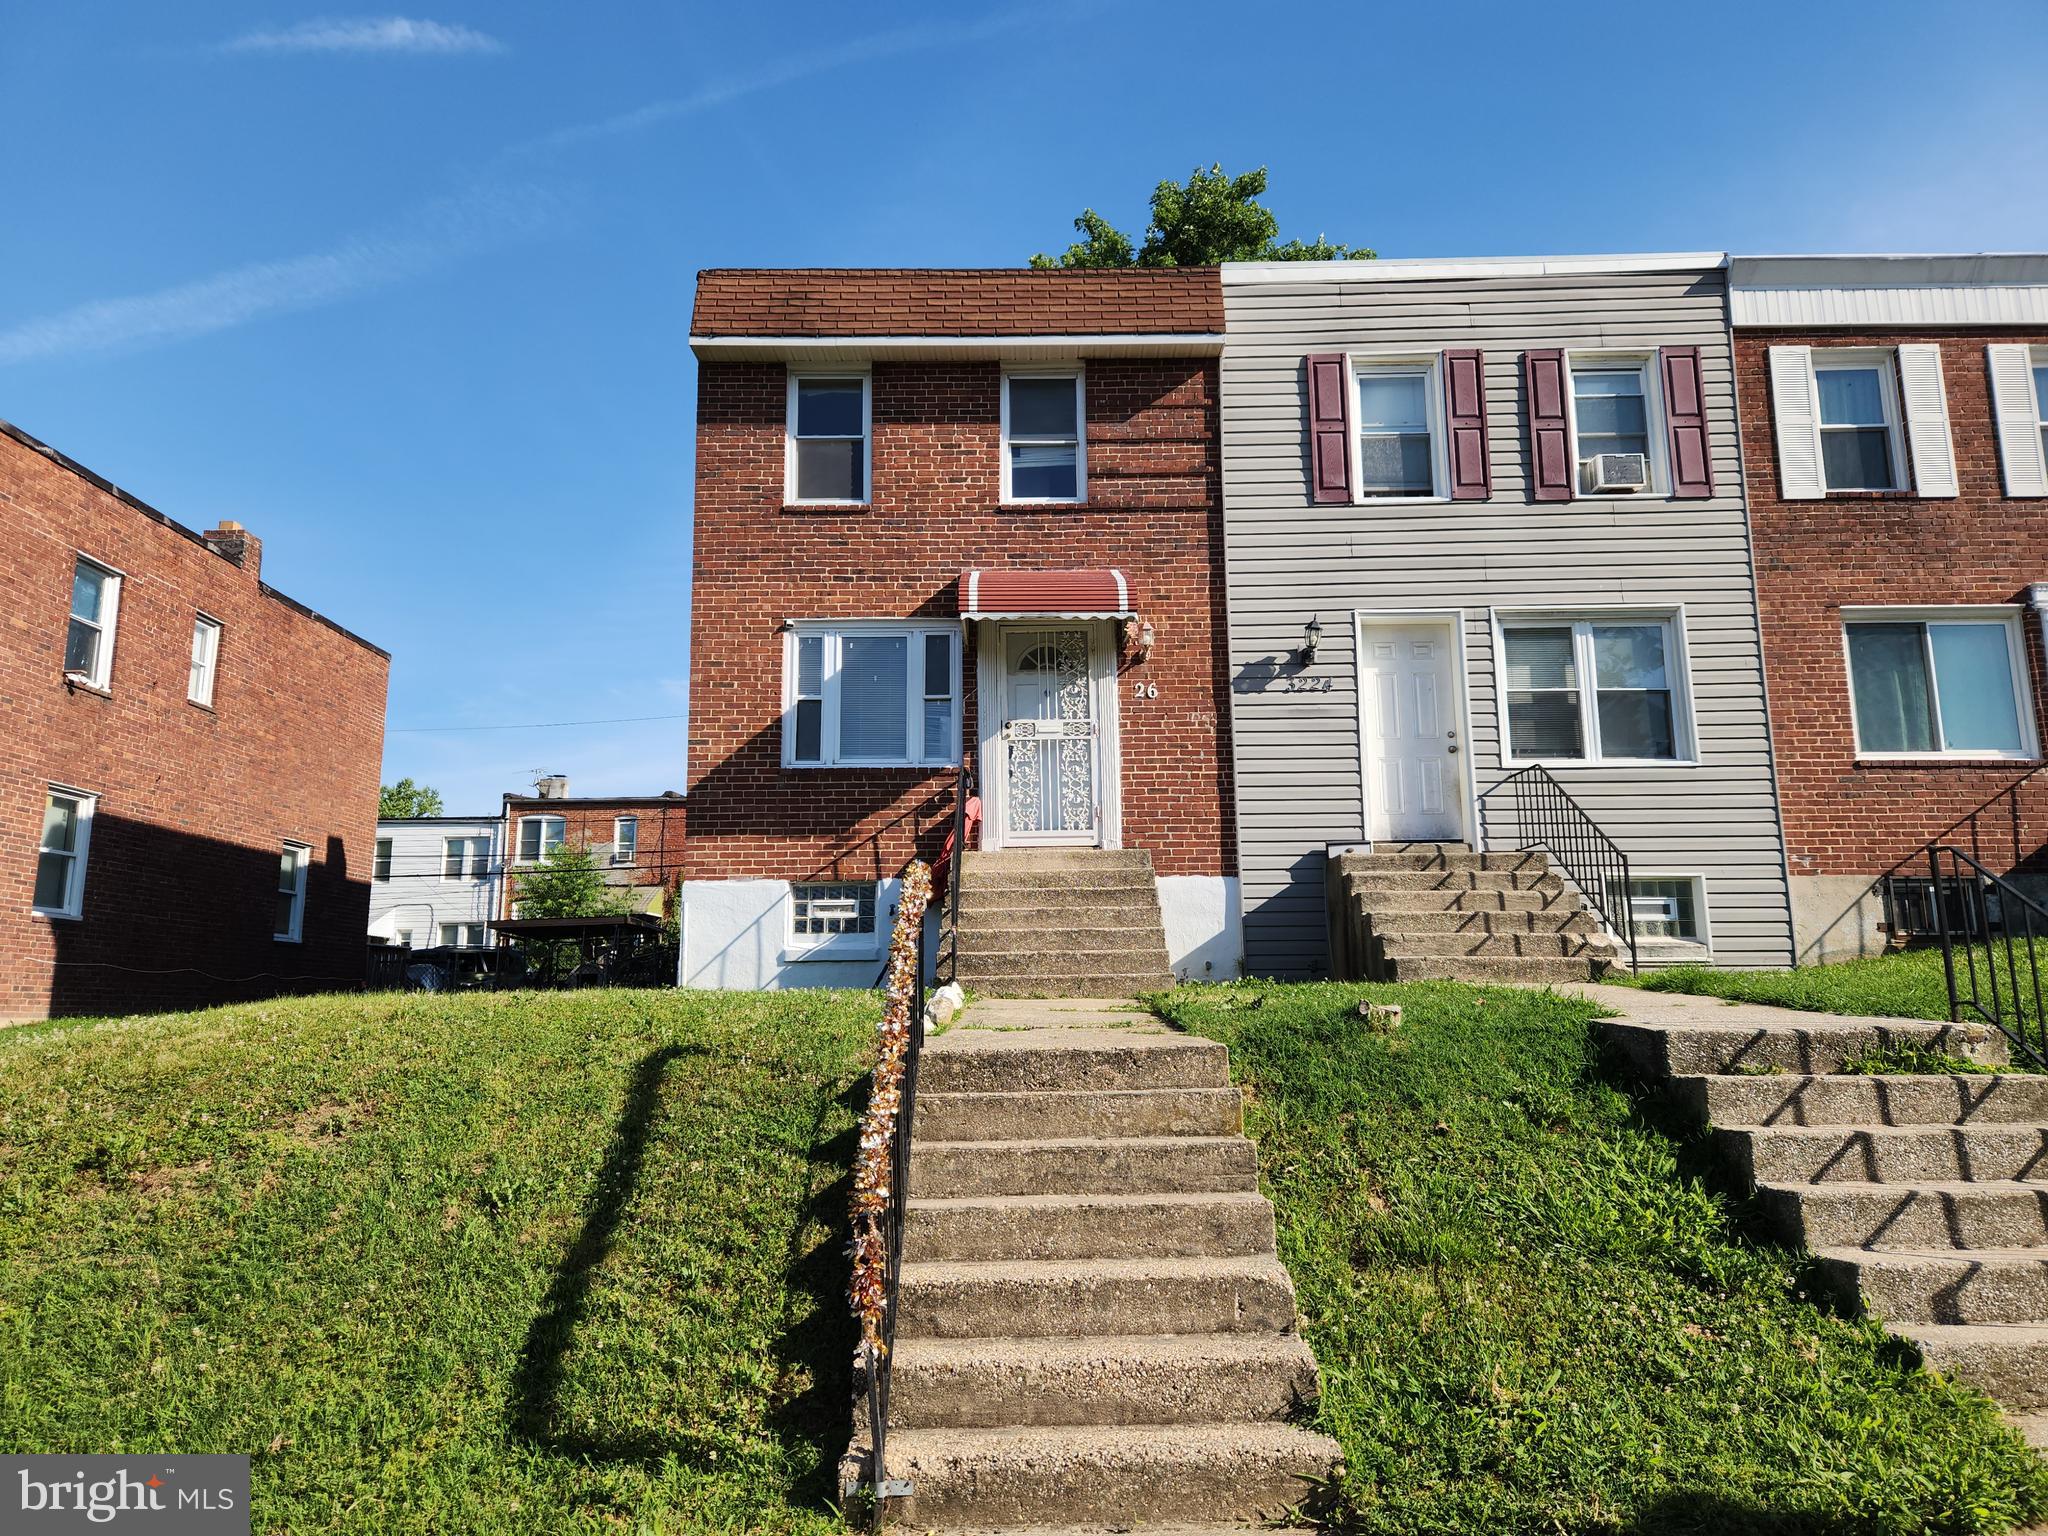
(1011, 594)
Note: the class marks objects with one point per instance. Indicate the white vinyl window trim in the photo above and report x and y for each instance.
(831, 636)
(61, 851)
(465, 856)
(1429, 365)
(205, 660)
(1655, 906)
(536, 835)
(1884, 362)
(380, 861)
(463, 935)
(834, 920)
(89, 637)
(1582, 622)
(1644, 366)
(289, 925)
(1079, 441)
(1929, 619)
(625, 839)
(867, 437)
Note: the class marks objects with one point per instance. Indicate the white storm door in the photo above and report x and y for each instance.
(1050, 741)
(1407, 692)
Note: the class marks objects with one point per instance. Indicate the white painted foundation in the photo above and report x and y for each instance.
(1204, 929)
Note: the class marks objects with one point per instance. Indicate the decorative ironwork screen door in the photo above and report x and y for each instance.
(1049, 736)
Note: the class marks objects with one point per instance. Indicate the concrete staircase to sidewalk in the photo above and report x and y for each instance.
(1094, 1327)
(1060, 922)
(1439, 911)
(1922, 1197)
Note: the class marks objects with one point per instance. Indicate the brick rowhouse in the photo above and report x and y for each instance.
(934, 509)
(592, 821)
(194, 802)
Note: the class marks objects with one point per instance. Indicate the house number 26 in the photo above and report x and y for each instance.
(1144, 690)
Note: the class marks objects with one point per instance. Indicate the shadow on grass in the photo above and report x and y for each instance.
(1699, 1513)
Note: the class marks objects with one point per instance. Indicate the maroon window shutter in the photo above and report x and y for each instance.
(1465, 417)
(1550, 433)
(1685, 415)
(1329, 426)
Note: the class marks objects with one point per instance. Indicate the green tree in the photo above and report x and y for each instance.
(567, 882)
(396, 802)
(1210, 217)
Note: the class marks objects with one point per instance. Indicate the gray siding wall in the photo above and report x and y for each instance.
(1298, 764)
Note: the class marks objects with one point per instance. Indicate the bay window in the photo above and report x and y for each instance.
(1948, 683)
(1593, 690)
(859, 694)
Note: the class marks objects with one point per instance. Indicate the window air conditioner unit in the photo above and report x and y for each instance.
(1618, 472)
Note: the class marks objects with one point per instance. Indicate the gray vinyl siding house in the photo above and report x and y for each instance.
(1580, 578)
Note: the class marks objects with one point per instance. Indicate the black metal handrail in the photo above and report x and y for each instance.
(951, 858)
(1547, 817)
(1993, 916)
(882, 1174)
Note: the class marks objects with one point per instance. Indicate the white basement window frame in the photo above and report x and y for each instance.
(205, 660)
(1955, 647)
(1641, 367)
(834, 920)
(95, 615)
(289, 924)
(1581, 666)
(1860, 420)
(1045, 447)
(819, 660)
(537, 834)
(811, 419)
(1392, 418)
(61, 851)
(1670, 910)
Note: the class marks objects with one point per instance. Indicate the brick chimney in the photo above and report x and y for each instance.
(234, 542)
(553, 786)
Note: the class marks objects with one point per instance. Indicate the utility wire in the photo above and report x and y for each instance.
(535, 725)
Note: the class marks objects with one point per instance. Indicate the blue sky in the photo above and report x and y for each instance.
(408, 293)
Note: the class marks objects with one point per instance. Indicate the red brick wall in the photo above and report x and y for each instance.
(194, 803)
(589, 824)
(1154, 511)
(1813, 557)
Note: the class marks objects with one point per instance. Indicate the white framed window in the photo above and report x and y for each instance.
(1045, 436)
(625, 839)
(61, 852)
(1667, 908)
(1931, 683)
(95, 608)
(539, 834)
(403, 938)
(205, 660)
(1400, 429)
(380, 862)
(289, 925)
(466, 857)
(463, 935)
(870, 694)
(833, 919)
(1615, 410)
(828, 450)
(1597, 689)
(1861, 445)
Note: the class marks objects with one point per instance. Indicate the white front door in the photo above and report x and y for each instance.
(1407, 692)
(1049, 738)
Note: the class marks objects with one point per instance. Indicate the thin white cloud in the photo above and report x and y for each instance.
(436, 235)
(367, 34)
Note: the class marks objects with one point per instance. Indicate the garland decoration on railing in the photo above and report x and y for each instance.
(874, 1164)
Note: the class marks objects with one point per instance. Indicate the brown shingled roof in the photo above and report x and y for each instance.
(924, 301)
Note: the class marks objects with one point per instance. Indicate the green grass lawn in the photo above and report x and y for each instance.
(497, 1263)
(1906, 985)
(1529, 1319)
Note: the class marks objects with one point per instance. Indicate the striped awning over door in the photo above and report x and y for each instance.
(1013, 594)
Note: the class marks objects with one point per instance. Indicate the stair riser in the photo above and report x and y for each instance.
(1478, 968)
(1197, 1064)
(1400, 863)
(1193, 1390)
(1415, 882)
(1943, 1291)
(1027, 860)
(2015, 1373)
(989, 923)
(958, 1170)
(1934, 1153)
(1082, 1491)
(1037, 1116)
(1757, 1101)
(1049, 885)
(1823, 1048)
(997, 1233)
(1399, 903)
(1063, 954)
(1078, 985)
(1559, 920)
(1824, 1216)
(1088, 1305)
(1405, 945)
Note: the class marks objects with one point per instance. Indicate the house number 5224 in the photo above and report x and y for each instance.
(1144, 690)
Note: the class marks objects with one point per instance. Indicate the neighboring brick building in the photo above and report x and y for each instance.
(637, 839)
(918, 491)
(1892, 419)
(190, 765)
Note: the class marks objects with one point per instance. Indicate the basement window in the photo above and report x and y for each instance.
(833, 920)
(1668, 909)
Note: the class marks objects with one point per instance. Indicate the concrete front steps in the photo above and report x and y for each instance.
(1441, 912)
(1060, 922)
(1094, 1327)
(1923, 1198)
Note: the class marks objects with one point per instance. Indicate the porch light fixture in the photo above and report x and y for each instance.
(1311, 637)
(1146, 635)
